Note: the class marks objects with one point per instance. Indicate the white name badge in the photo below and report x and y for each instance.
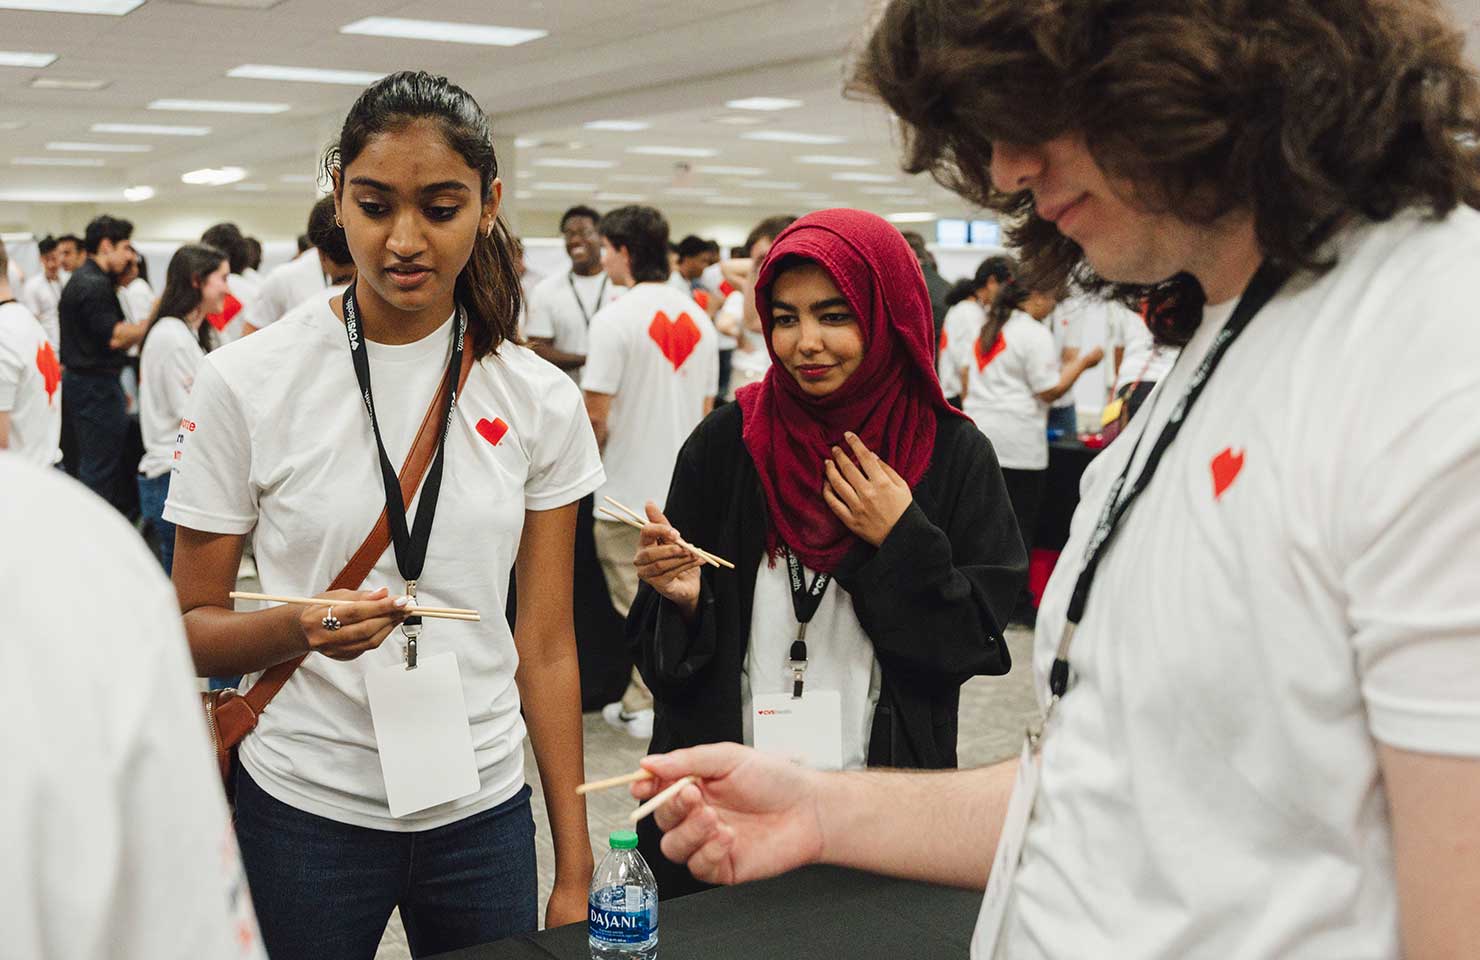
(421, 728)
(808, 731)
(1009, 852)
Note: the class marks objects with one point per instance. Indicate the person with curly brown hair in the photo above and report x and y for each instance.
(1260, 663)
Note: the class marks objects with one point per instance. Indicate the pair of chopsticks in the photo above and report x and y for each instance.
(667, 794)
(634, 519)
(437, 613)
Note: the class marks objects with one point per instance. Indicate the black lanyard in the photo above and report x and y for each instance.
(1262, 289)
(410, 546)
(805, 599)
(570, 278)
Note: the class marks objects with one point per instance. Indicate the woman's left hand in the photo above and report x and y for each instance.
(868, 496)
(568, 902)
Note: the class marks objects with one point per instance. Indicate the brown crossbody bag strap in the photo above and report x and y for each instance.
(230, 716)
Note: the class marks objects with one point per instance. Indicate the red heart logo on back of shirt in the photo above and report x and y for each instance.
(945, 341)
(676, 338)
(985, 357)
(50, 370)
(1226, 468)
(492, 430)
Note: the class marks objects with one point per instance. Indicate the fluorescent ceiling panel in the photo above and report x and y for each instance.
(561, 187)
(57, 162)
(61, 83)
(151, 129)
(788, 136)
(574, 163)
(113, 8)
(618, 126)
(604, 197)
(888, 191)
(820, 160)
(20, 58)
(638, 178)
(771, 184)
(763, 103)
(865, 177)
(264, 71)
(79, 147)
(442, 31)
(914, 216)
(136, 194)
(737, 120)
(220, 106)
(697, 152)
(213, 176)
(719, 171)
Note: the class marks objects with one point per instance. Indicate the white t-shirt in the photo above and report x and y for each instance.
(1067, 324)
(959, 330)
(113, 821)
(30, 386)
(166, 371)
(285, 287)
(840, 656)
(654, 351)
(1289, 591)
(43, 296)
(1002, 391)
(1144, 359)
(290, 456)
(563, 306)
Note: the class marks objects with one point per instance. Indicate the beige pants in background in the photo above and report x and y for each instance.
(616, 545)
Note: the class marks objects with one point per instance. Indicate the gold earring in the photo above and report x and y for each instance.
(337, 222)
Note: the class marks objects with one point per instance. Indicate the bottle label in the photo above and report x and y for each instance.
(623, 915)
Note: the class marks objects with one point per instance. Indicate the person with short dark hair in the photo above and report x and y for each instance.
(73, 256)
(939, 285)
(563, 304)
(293, 282)
(649, 379)
(693, 258)
(751, 358)
(303, 243)
(96, 338)
(43, 292)
(1259, 654)
(254, 260)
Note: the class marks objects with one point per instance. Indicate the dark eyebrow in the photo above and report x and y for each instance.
(429, 188)
(822, 305)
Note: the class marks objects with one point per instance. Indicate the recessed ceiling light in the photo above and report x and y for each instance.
(49, 195)
(443, 31)
(829, 161)
(914, 216)
(136, 194)
(729, 201)
(889, 192)
(113, 8)
(57, 162)
(865, 177)
(574, 163)
(619, 126)
(730, 171)
(59, 83)
(220, 106)
(637, 178)
(771, 184)
(19, 58)
(605, 197)
(263, 71)
(737, 120)
(788, 136)
(213, 176)
(564, 187)
(763, 103)
(153, 129)
(99, 147)
(674, 151)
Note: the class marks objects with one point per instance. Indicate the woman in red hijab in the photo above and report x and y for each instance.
(876, 551)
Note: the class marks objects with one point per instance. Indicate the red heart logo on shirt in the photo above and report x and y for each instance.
(945, 342)
(51, 371)
(492, 430)
(1226, 468)
(985, 357)
(676, 338)
(232, 307)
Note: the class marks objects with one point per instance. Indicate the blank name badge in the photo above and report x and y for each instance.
(808, 731)
(421, 728)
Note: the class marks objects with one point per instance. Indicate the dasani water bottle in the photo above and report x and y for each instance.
(623, 907)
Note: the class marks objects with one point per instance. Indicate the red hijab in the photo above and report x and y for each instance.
(890, 401)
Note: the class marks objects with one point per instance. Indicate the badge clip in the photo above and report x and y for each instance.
(798, 662)
(412, 631)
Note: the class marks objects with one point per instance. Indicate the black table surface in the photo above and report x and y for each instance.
(809, 913)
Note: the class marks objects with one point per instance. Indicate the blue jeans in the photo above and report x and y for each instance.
(153, 491)
(1065, 419)
(324, 890)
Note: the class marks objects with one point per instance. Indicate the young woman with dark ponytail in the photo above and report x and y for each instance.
(295, 434)
(1011, 378)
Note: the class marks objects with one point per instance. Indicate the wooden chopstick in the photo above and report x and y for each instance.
(438, 613)
(700, 555)
(638, 519)
(660, 799)
(610, 782)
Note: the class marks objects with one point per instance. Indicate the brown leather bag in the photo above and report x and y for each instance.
(231, 716)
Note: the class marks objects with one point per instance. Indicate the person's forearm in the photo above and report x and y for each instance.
(598, 427)
(225, 643)
(551, 693)
(938, 827)
(561, 359)
(126, 335)
(5, 430)
(1071, 373)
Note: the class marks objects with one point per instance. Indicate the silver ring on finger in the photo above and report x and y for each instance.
(331, 622)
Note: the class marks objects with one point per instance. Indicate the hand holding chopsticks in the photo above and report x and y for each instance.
(436, 613)
(634, 519)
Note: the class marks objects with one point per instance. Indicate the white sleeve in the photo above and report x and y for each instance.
(1041, 362)
(178, 372)
(1412, 531)
(12, 368)
(564, 464)
(211, 489)
(606, 355)
(540, 324)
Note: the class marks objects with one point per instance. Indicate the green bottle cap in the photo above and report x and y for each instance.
(623, 840)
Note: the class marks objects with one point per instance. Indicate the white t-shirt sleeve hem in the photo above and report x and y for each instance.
(1451, 729)
(207, 522)
(569, 494)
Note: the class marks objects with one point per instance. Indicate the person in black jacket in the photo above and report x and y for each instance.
(845, 464)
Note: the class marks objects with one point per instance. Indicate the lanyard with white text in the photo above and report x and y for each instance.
(1262, 289)
(410, 546)
(805, 599)
(570, 278)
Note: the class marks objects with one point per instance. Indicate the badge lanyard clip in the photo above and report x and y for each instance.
(798, 662)
(411, 629)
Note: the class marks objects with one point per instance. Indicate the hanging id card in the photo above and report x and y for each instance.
(1009, 853)
(421, 728)
(808, 730)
